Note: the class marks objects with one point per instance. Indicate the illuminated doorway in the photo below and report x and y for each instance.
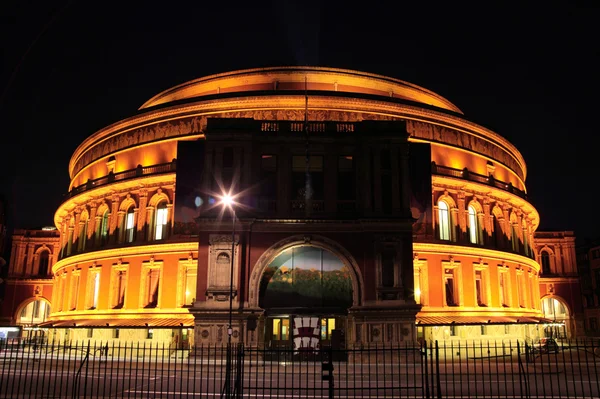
(555, 310)
(306, 292)
(30, 316)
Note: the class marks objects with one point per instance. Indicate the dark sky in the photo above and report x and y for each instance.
(529, 73)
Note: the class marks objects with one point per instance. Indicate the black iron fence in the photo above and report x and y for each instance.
(431, 370)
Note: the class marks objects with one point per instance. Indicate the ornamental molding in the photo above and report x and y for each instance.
(488, 254)
(190, 120)
(122, 252)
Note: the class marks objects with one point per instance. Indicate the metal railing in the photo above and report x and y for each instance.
(476, 177)
(140, 171)
(430, 370)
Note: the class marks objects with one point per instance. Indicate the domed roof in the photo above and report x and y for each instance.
(298, 79)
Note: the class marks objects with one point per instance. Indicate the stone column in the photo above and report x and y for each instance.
(141, 216)
(115, 220)
(462, 215)
(77, 229)
(487, 217)
(30, 258)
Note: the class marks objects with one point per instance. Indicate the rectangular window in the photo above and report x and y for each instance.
(161, 223)
(119, 288)
(281, 329)
(60, 292)
(90, 333)
(149, 333)
(129, 227)
(74, 292)
(451, 282)
(152, 285)
(503, 288)
(315, 169)
(116, 333)
(479, 288)
(268, 182)
(346, 179)
(190, 286)
(593, 324)
(93, 288)
(521, 289)
(327, 326)
(444, 220)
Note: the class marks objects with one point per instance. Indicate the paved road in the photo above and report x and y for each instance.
(47, 376)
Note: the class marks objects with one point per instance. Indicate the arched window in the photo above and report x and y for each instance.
(44, 263)
(545, 262)
(83, 226)
(160, 228)
(130, 225)
(34, 313)
(444, 220)
(104, 228)
(473, 225)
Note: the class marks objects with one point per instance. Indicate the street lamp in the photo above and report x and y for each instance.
(227, 200)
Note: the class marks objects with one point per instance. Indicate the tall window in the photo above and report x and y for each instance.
(346, 190)
(545, 262)
(444, 220)
(160, 231)
(74, 293)
(521, 289)
(503, 288)
(299, 177)
(150, 285)
(190, 286)
(130, 225)
(514, 237)
(268, 182)
(44, 263)
(479, 288)
(281, 329)
(473, 226)
(119, 288)
(450, 287)
(93, 291)
(83, 226)
(104, 228)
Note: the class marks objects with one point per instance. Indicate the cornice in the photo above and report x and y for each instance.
(241, 80)
(121, 252)
(297, 102)
(453, 250)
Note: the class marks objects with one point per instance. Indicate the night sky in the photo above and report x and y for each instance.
(529, 74)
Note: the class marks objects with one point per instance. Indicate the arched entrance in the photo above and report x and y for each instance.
(30, 315)
(305, 290)
(556, 310)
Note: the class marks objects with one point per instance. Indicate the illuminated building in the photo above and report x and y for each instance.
(560, 287)
(29, 283)
(143, 255)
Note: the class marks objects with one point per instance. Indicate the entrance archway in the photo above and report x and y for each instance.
(557, 310)
(29, 315)
(305, 288)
